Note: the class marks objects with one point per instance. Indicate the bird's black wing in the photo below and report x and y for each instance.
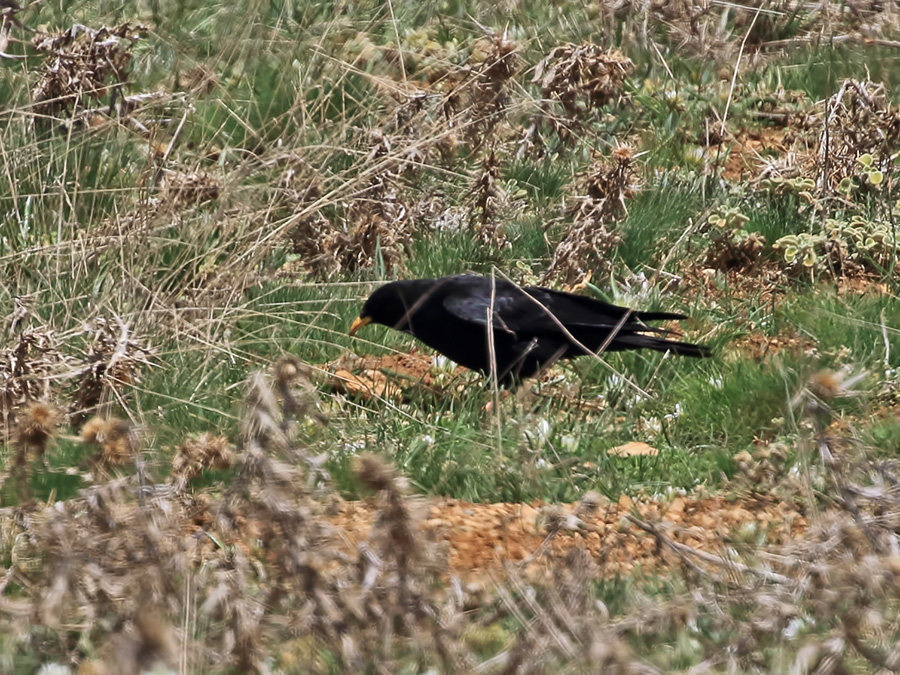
(540, 311)
(541, 318)
(474, 308)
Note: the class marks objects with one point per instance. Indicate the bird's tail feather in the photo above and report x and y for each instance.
(637, 341)
(659, 316)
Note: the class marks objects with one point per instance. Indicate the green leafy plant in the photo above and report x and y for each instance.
(728, 218)
(868, 169)
(799, 186)
(858, 240)
(872, 239)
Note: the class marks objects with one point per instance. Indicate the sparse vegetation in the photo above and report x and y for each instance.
(202, 472)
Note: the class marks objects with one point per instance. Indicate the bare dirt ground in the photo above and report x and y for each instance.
(482, 537)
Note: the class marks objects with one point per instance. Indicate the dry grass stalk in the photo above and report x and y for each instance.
(183, 189)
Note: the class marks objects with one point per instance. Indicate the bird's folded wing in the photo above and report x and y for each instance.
(474, 309)
(519, 313)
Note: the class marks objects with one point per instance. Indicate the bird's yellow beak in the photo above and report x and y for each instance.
(358, 323)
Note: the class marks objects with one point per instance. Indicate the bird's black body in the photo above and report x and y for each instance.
(532, 327)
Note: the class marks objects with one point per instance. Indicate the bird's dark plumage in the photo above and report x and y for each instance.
(532, 327)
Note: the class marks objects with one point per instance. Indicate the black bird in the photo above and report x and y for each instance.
(532, 327)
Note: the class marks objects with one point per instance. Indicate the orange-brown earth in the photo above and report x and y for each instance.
(748, 150)
(480, 537)
(386, 376)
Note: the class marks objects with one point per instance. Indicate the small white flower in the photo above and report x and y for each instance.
(442, 363)
(633, 401)
(652, 424)
(541, 463)
(348, 448)
(568, 443)
(427, 439)
(716, 382)
(54, 669)
(544, 430)
(540, 434)
(641, 279)
(675, 413)
(792, 630)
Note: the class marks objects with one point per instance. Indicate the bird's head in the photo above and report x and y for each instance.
(392, 304)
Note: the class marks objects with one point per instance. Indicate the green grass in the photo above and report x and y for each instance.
(656, 220)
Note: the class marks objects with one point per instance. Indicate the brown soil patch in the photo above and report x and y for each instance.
(397, 376)
(766, 281)
(746, 152)
(389, 376)
(481, 537)
(865, 283)
(760, 346)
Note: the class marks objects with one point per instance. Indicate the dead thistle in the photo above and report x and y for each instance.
(476, 101)
(25, 368)
(374, 473)
(113, 361)
(113, 438)
(824, 386)
(580, 79)
(200, 452)
(298, 394)
(599, 204)
(486, 196)
(83, 63)
(858, 122)
(394, 517)
(372, 228)
(36, 426)
(182, 189)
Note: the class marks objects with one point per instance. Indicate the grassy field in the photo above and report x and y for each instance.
(193, 194)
